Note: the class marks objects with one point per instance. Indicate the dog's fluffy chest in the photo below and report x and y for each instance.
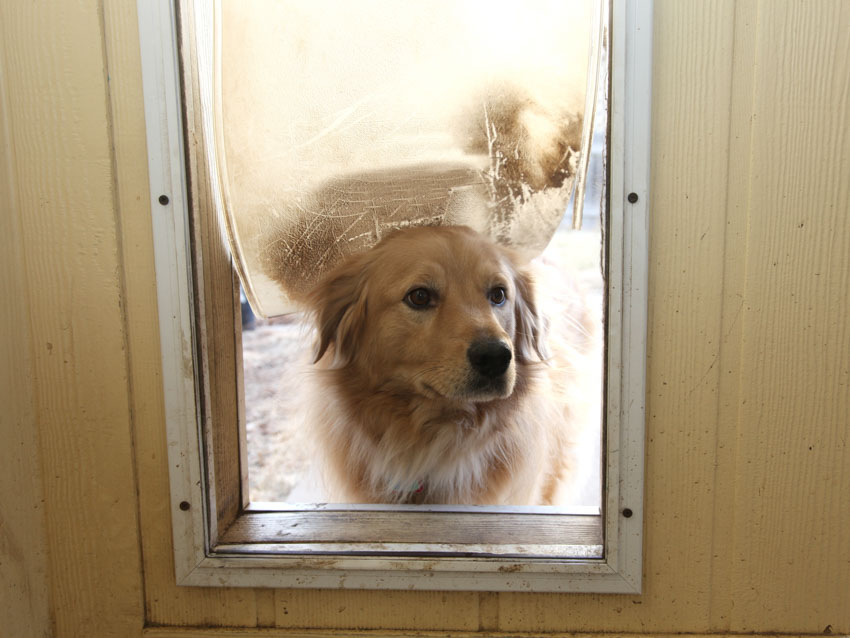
(425, 453)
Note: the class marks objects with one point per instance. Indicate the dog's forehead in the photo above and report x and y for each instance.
(442, 254)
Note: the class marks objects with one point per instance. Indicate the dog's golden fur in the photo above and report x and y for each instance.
(442, 396)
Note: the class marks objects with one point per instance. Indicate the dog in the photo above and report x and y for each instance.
(434, 380)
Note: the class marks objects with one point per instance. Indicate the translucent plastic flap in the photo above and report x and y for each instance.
(337, 122)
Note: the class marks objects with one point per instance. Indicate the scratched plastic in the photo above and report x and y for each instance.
(342, 121)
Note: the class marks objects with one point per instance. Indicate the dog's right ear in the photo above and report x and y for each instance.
(338, 304)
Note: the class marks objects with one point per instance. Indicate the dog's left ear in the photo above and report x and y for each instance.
(530, 325)
(338, 303)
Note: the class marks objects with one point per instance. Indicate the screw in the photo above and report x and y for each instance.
(627, 512)
(633, 197)
(163, 199)
(184, 505)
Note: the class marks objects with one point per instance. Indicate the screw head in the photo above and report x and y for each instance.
(163, 199)
(633, 197)
(627, 512)
(184, 505)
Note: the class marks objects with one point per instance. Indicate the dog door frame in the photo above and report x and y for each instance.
(220, 539)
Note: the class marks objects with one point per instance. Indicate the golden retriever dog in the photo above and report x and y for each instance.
(435, 384)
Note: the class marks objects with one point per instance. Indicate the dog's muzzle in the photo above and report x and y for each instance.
(490, 358)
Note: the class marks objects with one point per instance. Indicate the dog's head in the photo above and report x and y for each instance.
(441, 312)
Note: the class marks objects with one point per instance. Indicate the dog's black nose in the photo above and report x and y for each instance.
(490, 358)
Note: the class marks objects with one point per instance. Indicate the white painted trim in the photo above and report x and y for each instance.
(630, 110)
(198, 564)
(167, 176)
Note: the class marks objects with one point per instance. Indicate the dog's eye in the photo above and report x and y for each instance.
(497, 296)
(418, 298)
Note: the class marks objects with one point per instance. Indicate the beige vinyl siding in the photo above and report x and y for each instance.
(748, 464)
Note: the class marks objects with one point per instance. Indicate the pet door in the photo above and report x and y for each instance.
(331, 124)
(226, 535)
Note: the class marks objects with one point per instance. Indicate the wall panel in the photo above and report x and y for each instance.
(24, 591)
(793, 468)
(748, 465)
(61, 152)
